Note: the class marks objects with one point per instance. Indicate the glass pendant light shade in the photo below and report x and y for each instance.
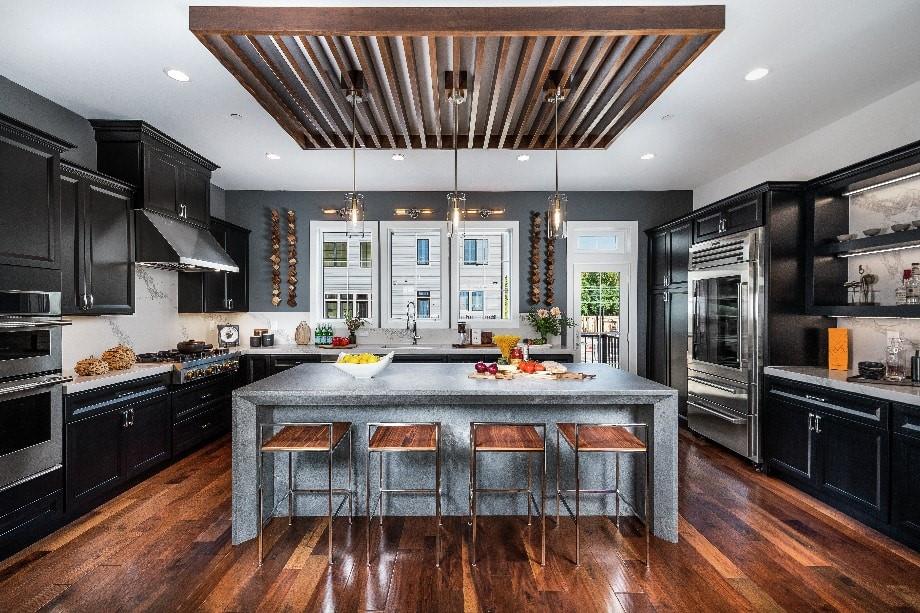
(456, 214)
(354, 213)
(556, 216)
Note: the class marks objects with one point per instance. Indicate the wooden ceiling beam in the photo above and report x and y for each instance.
(418, 112)
(522, 65)
(305, 81)
(478, 77)
(435, 76)
(503, 50)
(344, 66)
(573, 57)
(374, 97)
(332, 88)
(618, 92)
(279, 108)
(396, 95)
(546, 63)
(459, 21)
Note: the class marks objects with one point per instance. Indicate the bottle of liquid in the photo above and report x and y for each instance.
(900, 292)
(894, 364)
(913, 285)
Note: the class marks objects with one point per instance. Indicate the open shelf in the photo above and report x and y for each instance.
(871, 244)
(858, 310)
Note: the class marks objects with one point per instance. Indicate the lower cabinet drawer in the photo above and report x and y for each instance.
(30, 509)
(201, 427)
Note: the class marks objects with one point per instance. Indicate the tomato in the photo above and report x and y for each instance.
(537, 367)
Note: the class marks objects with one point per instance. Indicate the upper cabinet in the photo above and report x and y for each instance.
(170, 178)
(215, 292)
(29, 204)
(735, 214)
(97, 243)
(669, 252)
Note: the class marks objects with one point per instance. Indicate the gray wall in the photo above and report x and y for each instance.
(250, 209)
(39, 112)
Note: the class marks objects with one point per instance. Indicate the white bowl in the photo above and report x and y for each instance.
(364, 371)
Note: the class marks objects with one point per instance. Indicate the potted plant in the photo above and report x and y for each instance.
(548, 322)
(354, 324)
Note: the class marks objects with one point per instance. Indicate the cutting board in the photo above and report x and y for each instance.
(505, 376)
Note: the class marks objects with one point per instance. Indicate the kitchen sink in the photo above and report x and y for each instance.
(410, 347)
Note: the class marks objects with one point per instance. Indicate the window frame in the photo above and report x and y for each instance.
(317, 294)
(387, 228)
(418, 243)
(456, 262)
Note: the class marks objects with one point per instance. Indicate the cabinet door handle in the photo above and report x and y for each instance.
(817, 424)
(205, 396)
(230, 303)
(183, 211)
(205, 426)
(125, 423)
(665, 297)
(816, 398)
(665, 280)
(92, 301)
(722, 224)
(811, 422)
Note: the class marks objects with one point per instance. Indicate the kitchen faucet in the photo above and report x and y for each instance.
(413, 327)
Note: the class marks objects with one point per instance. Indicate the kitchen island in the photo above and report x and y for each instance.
(444, 393)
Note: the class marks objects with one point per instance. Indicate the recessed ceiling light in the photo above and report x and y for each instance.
(398, 157)
(273, 156)
(523, 157)
(756, 74)
(647, 156)
(175, 73)
(235, 116)
(667, 117)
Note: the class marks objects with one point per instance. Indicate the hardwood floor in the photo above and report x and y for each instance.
(747, 542)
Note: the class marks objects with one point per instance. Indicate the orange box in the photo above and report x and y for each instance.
(838, 349)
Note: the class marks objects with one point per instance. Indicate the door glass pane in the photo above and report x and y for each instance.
(415, 273)
(347, 275)
(715, 335)
(485, 275)
(600, 316)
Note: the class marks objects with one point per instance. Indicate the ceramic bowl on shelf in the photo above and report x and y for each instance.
(900, 227)
(916, 223)
(846, 237)
(872, 231)
(364, 371)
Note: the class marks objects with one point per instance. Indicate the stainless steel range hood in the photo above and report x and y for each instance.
(165, 242)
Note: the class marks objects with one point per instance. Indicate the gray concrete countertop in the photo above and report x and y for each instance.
(400, 349)
(138, 371)
(323, 384)
(837, 379)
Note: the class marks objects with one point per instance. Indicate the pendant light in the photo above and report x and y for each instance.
(456, 200)
(556, 214)
(354, 201)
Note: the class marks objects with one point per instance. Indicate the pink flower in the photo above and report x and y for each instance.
(542, 313)
(555, 312)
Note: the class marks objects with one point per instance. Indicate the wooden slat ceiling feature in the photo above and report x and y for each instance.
(293, 61)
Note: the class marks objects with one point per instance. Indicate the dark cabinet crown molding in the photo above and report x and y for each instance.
(22, 131)
(82, 172)
(859, 170)
(109, 130)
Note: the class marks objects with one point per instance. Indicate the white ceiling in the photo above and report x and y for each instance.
(827, 59)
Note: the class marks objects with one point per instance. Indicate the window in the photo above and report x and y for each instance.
(423, 305)
(606, 242)
(475, 252)
(335, 254)
(415, 271)
(421, 252)
(345, 272)
(484, 273)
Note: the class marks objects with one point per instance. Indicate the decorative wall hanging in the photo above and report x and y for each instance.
(550, 269)
(275, 258)
(292, 258)
(536, 233)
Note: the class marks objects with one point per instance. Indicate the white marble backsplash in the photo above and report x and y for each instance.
(881, 208)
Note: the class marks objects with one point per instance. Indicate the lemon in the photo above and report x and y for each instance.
(359, 358)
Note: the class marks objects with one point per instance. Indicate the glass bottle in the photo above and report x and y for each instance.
(900, 292)
(913, 285)
(894, 365)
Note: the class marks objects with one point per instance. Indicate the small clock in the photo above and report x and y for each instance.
(228, 335)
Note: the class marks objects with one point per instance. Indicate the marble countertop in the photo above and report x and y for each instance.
(138, 371)
(445, 383)
(401, 349)
(837, 379)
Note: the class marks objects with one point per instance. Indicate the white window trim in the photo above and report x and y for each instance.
(456, 259)
(386, 276)
(317, 298)
(628, 257)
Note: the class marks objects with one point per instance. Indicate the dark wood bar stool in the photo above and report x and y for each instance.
(601, 438)
(323, 437)
(390, 437)
(504, 437)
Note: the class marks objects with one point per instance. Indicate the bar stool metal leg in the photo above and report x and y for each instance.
(529, 487)
(558, 483)
(380, 486)
(475, 486)
(647, 518)
(351, 488)
(261, 519)
(329, 498)
(543, 505)
(577, 502)
(290, 488)
(437, 495)
(367, 495)
(616, 457)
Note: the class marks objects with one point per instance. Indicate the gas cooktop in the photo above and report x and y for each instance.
(193, 366)
(174, 355)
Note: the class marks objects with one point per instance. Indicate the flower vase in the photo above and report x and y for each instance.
(352, 339)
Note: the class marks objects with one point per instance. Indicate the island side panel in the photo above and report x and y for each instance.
(495, 470)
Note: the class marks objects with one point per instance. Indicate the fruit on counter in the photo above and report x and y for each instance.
(505, 342)
(502, 361)
(554, 368)
(358, 358)
(339, 341)
(531, 366)
(481, 367)
(493, 369)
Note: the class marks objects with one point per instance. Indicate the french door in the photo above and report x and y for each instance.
(600, 304)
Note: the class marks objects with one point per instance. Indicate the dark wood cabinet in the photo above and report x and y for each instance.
(740, 212)
(215, 292)
(669, 255)
(97, 239)
(657, 363)
(905, 484)
(255, 367)
(171, 178)
(30, 222)
(113, 435)
(667, 341)
(30, 509)
(832, 443)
